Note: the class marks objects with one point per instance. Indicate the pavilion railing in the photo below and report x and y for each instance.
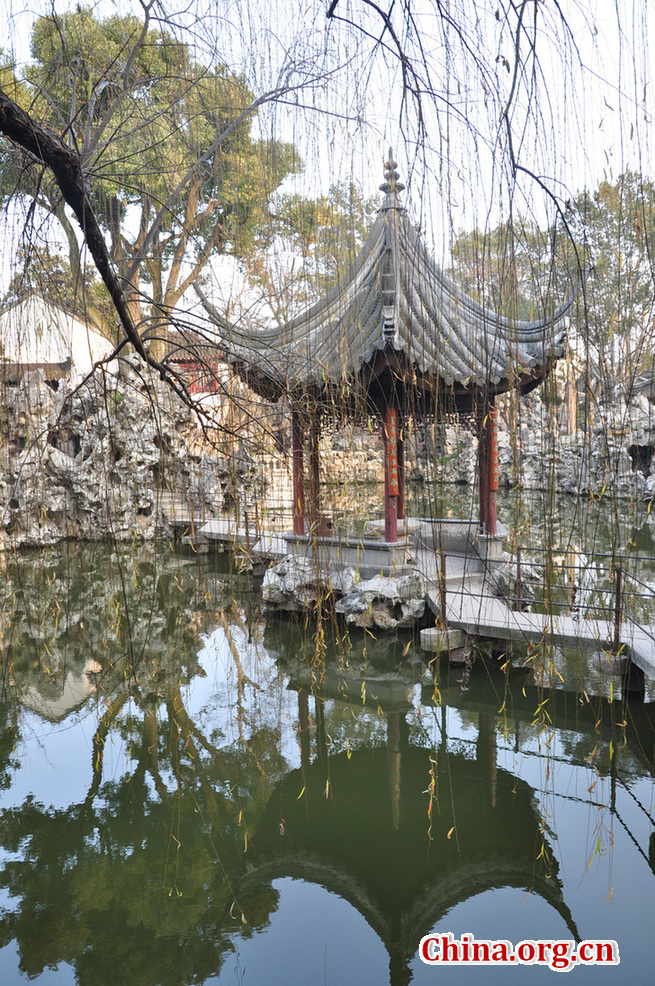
(598, 585)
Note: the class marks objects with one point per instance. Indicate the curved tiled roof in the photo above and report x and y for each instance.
(395, 300)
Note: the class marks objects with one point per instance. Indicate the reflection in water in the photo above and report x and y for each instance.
(185, 790)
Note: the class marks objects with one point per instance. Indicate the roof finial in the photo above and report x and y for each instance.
(391, 185)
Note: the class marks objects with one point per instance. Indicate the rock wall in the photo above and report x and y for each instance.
(109, 459)
(105, 460)
(612, 453)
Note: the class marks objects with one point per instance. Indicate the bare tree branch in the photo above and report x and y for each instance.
(49, 150)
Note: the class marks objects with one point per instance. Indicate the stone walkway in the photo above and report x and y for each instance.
(470, 606)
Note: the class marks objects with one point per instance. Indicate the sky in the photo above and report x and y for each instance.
(575, 98)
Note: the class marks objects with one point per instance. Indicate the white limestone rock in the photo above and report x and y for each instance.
(388, 603)
(294, 584)
(94, 462)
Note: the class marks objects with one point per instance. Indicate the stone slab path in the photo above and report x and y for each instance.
(470, 606)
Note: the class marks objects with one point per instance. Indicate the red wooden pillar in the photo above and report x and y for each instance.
(492, 525)
(488, 466)
(314, 472)
(298, 473)
(391, 484)
(401, 469)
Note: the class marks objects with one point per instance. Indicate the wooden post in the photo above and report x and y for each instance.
(314, 473)
(247, 523)
(298, 473)
(442, 583)
(572, 396)
(303, 730)
(488, 466)
(487, 755)
(401, 469)
(391, 485)
(618, 571)
(519, 587)
(483, 471)
(321, 732)
(492, 520)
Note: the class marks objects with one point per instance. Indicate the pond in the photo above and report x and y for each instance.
(192, 791)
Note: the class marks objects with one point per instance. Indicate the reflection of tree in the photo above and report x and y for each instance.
(9, 719)
(134, 884)
(147, 878)
(130, 892)
(135, 614)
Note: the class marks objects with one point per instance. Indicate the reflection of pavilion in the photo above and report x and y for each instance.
(374, 843)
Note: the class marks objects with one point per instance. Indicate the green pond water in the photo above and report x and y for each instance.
(193, 791)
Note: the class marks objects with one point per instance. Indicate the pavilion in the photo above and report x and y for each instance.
(394, 338)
